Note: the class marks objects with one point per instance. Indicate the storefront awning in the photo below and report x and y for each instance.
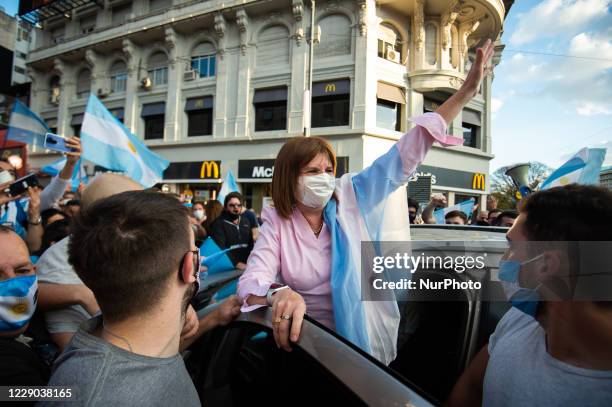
(471, 117)
(202, 103)
(270, 95)
(153, 109)
(390, 93)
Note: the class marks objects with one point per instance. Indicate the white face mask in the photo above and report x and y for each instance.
(198, 213)
(315, 191)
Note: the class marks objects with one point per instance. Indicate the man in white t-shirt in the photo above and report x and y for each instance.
(549, 350)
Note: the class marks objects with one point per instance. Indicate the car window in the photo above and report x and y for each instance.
(242, 365)
(433, 338)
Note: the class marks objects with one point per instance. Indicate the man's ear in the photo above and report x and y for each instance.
(553, 273)
(187, 273)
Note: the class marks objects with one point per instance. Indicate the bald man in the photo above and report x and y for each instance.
(67, 302)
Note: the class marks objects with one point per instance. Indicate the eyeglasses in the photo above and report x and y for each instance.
(197, 264)
(235, 205)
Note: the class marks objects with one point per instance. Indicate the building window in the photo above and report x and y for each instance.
(158, 68)
(336, 36)
(431, 44)
(155, 5)
(200, 116)
(121, 13)
(331, 103)
(75, 123)
(119, 113)
(204, 60)
(54, 90)
(471, 124)
(20, 70)
(389, 106)
(153, 115)
(83, 86)
(389, 43)
(270, 109)
(273, 47)
(87, 24)
(388, 115)
(118, 77)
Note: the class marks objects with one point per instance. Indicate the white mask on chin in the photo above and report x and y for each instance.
(314, 191)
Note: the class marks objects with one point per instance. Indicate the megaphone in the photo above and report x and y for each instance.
(520, 177)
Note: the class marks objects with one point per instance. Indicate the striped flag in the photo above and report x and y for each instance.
(107, 142)
(229, 185)
(26, 126)
(466, 207)
(582, 168)
(78, 175)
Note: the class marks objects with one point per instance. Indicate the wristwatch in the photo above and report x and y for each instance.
(272, 290)
(37, 221)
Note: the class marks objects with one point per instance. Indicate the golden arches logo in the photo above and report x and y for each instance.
(210, 169)
(478, 181)
(330, 87)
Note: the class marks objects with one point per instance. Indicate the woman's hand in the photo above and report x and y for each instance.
(288, 309)
(479, 69)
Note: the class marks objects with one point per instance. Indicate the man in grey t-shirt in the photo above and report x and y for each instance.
(554, 347)
(136, 252)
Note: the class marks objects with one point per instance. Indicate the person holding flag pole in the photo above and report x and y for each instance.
(308, 254)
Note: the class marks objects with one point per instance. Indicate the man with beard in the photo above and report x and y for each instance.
(232, 228)
(136, 252)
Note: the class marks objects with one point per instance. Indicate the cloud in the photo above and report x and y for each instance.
(591, 109)
(551, 18)
(581, 80)
(496, 104)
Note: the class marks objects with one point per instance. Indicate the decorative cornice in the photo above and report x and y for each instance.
(242, 20)
(297, 7)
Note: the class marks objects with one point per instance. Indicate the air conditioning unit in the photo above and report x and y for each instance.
(55, 95)
(392, 54)
(103, 92)
(146, 83)
(190, 75)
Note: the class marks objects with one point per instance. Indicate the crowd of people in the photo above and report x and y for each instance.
(96, 285)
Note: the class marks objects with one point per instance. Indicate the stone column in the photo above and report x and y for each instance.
(299, 71)
(364, 84)
(131, 102)
(221, 91)
(245, 61)
(67, 93)
(176, 67)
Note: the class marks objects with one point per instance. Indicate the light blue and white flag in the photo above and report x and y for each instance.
(26, 126)
(78, 175)
(582, 168)
(229, 185)
(466, 207)
(18, 297)
(107, 142)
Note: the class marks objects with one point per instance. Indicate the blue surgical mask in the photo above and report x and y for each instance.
(524, 299)
(18, 298)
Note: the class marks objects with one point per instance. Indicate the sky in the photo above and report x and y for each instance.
(546, 107)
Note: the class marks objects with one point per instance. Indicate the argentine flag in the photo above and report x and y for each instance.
(78, 175)
(25, 126)
(582, 168)
(107, 142)
(229, 185)
(466, 207)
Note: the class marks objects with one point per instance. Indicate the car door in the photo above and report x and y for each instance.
(241, 364)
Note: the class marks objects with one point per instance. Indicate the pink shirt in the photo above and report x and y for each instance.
(290, 247)
(287, 250)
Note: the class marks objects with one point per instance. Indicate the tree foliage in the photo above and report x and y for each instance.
(504, 190)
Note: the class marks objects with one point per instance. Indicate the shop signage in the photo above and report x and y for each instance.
(263, 169)
(444, 177)
(208, 169)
